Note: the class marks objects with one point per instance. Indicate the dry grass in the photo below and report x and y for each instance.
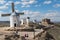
(55, 32)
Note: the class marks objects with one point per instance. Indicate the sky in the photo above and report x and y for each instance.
(35, 9)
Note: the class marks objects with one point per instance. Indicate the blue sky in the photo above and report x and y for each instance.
(35, 9)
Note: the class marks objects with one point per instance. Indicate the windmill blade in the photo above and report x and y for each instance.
(5, 14)
(13, 7)
(20, 13)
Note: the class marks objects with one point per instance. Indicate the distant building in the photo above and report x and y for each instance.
(25, 21)
(34, 21)
(46, 22)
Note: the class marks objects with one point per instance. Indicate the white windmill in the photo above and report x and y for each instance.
(14, 17)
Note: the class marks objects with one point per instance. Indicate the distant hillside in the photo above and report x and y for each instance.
(4, 23)
(55, 32)
(56, 22)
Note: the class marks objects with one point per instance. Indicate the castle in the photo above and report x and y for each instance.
(46, 22)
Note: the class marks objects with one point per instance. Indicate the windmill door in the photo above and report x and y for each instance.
(14, 24)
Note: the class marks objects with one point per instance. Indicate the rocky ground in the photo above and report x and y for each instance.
(54, 32)
(3, 32)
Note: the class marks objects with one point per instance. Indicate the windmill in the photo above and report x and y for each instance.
(14, 17)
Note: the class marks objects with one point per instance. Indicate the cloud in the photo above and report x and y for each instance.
(56, 5)
(37, 5)
(47, 2)
(31, 12)
(26, 3)
(17, 2)
(25, 6)
(53, 15)
(23, 3)
(32, 1)
(8, 3)
(27, 11)
(2, 1)
(3, 7)
(24, 0)
(56, 0)
(34, 15)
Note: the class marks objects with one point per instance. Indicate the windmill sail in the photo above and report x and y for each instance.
(5, 14)
(13, 7)
(12, 12)
(20, 13)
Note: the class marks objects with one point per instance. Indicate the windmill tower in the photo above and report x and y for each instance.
(14, 17)
(27, 21)
(22, 22)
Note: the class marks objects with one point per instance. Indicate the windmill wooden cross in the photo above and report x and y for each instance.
(14, 17)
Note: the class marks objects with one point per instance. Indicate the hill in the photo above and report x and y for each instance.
(55, 32)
